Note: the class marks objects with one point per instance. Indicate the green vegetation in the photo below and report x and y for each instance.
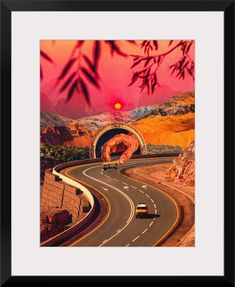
(63, 153)
(156, 149)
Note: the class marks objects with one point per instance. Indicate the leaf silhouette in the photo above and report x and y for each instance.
(90, 64)
(46, 57)
(134, 79)
(155, 43)
(136, 63)
(96, 53)
(71, 91)
(80, 43)
(132, 41)
(66, 68)
(85, 91)
(90, 77)
(41, 72)
(114, 48)
(66, 84)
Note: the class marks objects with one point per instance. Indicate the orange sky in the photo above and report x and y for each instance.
(115, 75)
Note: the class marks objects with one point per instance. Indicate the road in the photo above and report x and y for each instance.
(120, 226)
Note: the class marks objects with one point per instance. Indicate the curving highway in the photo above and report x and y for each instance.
(120, 227)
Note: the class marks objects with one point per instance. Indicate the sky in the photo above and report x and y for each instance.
(114, 77)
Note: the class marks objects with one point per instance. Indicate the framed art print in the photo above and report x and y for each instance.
(117, 142)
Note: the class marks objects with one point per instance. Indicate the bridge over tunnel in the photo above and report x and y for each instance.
(110, 131)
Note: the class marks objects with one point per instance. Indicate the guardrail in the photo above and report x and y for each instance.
(74, 229)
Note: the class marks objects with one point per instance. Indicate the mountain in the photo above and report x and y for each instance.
(48, 119)
(171, 123)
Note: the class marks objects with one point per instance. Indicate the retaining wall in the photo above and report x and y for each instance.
(57, 193)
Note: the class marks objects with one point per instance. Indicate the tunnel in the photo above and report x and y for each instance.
(110, 131)
(108, 135)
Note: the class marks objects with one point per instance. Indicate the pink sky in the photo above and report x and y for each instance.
(115, 76)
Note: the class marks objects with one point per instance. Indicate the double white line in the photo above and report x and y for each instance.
(118, 190)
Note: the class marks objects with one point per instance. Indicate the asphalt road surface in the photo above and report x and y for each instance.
(120, 227)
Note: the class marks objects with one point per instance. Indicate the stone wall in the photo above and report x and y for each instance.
(56, 193)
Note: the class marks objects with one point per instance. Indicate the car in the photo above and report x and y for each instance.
(141, 210)
(110, 164)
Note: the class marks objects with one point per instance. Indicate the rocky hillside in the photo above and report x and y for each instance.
(48, 119)
(177, 130)
(55, 135)
(171, 123)
(183, 167)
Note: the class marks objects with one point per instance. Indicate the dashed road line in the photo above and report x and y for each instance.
(155, 206)
(141, 190)
(107, 176)
(144, 231)
(126, 187)
(151, 223)
(128, 244)
(115, 179)
(104, 188)
(133, 187)
(124, 183)
(144, 186)
(136, 238)
(118, 190)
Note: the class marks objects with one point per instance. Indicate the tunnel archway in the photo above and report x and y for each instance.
(111, 130)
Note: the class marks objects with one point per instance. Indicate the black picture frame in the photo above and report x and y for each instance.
(9, 6)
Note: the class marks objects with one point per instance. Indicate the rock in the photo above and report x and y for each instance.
(55, 135)
(183, 167)
(52, 221)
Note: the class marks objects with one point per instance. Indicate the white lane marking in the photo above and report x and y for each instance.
(147, 195)
(104, 241)
(136, 238)
(118, 190)
(128, 244)
(144, 230)
(155, 206)
(133, 187)
(119, 230)
(102, 171)
(152, 200)
(151, 224)
(126, 187)
(115, 179)
(141, 190)
(104, 188)
(144, 186)
(124, 183)
(155, 211)
(107, 176)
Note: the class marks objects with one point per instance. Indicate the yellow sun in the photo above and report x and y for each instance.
(117, 106)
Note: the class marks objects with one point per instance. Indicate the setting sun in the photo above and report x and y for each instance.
(117, 106)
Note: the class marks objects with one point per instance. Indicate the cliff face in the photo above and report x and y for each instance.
(183, 168)
(55, 135)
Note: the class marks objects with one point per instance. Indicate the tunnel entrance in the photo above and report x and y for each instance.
(108, 135)
(110, 131)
